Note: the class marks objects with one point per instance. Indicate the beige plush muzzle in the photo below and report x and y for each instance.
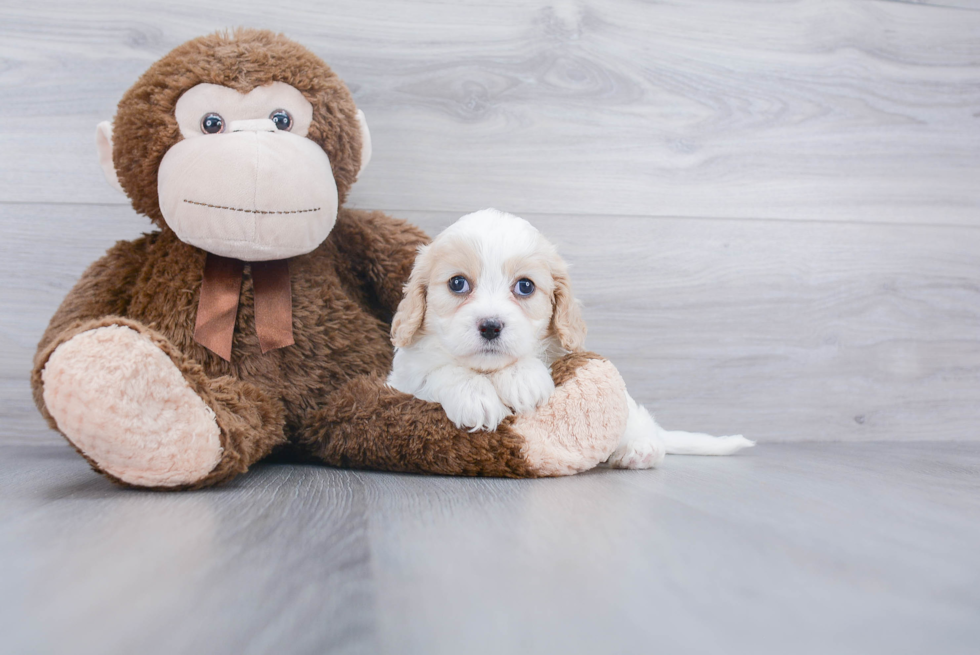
(255, 193)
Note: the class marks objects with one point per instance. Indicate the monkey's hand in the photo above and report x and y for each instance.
(581, 423)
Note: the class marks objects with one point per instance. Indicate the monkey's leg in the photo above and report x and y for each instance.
(366, 424)
(145, 414)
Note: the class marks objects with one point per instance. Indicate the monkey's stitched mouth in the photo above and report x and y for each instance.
(251, 211)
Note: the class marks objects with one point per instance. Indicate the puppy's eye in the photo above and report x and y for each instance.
(459, 284)
(212, 123)
(524, 287)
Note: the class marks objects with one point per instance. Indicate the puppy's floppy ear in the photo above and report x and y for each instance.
(566, 313)
(411, 310)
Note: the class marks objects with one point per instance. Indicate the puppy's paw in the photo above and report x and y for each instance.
(524, 386)
(641, 446)
(643, 453)
(474, 404)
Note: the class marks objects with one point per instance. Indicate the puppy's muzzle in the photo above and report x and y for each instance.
(491, 328)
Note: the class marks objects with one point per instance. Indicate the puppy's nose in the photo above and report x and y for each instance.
(490, 329)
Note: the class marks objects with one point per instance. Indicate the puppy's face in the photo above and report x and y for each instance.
(492, 290)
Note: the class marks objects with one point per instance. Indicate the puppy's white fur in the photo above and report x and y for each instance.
(441, 356)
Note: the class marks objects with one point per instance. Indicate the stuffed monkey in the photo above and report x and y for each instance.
(257, 317)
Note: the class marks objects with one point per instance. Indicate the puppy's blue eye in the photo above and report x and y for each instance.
(524, 287)
(459, 284)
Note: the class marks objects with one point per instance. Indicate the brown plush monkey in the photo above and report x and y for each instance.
(257, 318)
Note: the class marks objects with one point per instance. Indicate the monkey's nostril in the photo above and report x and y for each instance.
(490, 329)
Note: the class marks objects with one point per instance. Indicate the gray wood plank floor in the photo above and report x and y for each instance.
(788, 548)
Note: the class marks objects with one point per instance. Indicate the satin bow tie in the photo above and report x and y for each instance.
(218, 307)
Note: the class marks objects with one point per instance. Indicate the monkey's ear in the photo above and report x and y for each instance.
(365, 141)
(103, 141)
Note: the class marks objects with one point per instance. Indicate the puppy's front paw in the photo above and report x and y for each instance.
(524, 386)
(474, 404)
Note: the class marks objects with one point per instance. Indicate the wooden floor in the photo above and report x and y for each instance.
(788, 548)
(772, 212)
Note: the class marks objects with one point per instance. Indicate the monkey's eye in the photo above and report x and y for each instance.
(212, 123)
(524, 287)
(459, 284)
(282, 119)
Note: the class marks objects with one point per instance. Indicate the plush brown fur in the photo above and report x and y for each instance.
(325, 396)
(414, 437)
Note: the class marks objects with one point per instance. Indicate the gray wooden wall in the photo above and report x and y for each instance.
(771, 208)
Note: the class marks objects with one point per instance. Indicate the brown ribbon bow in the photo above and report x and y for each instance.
(218, 307)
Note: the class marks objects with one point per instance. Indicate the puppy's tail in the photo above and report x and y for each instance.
(696, 443)
(678, 442)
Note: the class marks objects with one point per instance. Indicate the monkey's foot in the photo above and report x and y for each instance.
(125, 405)
(581, 424)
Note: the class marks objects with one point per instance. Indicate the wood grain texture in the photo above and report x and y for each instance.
(784, 331)
(796, 548)
(836, 110)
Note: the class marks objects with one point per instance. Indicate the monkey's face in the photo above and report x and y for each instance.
(244, 143)
(244, 181)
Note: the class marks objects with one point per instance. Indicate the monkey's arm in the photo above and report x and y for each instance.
(380, 251)
(367, 424)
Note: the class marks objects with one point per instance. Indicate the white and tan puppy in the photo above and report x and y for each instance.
(487, 309)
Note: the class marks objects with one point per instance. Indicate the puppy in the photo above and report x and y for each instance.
(487, 309)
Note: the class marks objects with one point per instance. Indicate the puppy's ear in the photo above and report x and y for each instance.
(411, 310)
(566, 313)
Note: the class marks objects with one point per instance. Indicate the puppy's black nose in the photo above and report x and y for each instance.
(490, 329)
